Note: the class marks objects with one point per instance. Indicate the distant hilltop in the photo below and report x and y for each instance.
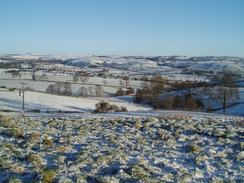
(32, 56)
(158, 63)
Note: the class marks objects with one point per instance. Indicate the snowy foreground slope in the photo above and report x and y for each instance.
(164, 146)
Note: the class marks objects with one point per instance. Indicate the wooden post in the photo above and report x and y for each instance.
(22, 92)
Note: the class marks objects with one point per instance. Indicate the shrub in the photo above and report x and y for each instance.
(15, 132)
(103, 107)
(120, 92)
(129, 91)
(124, 91)
(123, 109)
(6, 122)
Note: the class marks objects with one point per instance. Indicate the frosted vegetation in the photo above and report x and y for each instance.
(166, 148)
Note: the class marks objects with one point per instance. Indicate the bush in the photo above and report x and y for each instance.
(124, 91)
(129, 91)
(123, 109)
(120, 92)
(103, 107)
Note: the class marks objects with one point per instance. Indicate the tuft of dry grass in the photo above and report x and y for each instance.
(35, 160)
(15, 132)
(35, 137)
(48, 176)
(48, 142)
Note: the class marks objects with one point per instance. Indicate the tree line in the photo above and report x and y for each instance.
(65, 88)
(221, 90)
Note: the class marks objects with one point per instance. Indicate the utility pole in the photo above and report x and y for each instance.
(22, 93)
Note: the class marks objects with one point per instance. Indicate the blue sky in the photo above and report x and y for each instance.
(123, 27)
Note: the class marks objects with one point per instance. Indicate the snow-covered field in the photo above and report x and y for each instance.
(126, 147)
(42, 85)
(46, 102)
(58, 77)
(61, 69)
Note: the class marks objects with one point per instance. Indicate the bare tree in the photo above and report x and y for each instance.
(83, 92)
(98, 91)
(34, 75)
(126, 80)
(91, 91)
(226, 92)
(75, 77)
(60, 88)
(57, 89)
(67, 89)
(105, 82)
(84, 77)
(157, 85)
(16, 74)
(50, 89)
(121, 83)
(151, 90)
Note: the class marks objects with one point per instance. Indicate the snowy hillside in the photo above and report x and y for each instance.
(109, 74)
(232, 64)
(207, 63)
